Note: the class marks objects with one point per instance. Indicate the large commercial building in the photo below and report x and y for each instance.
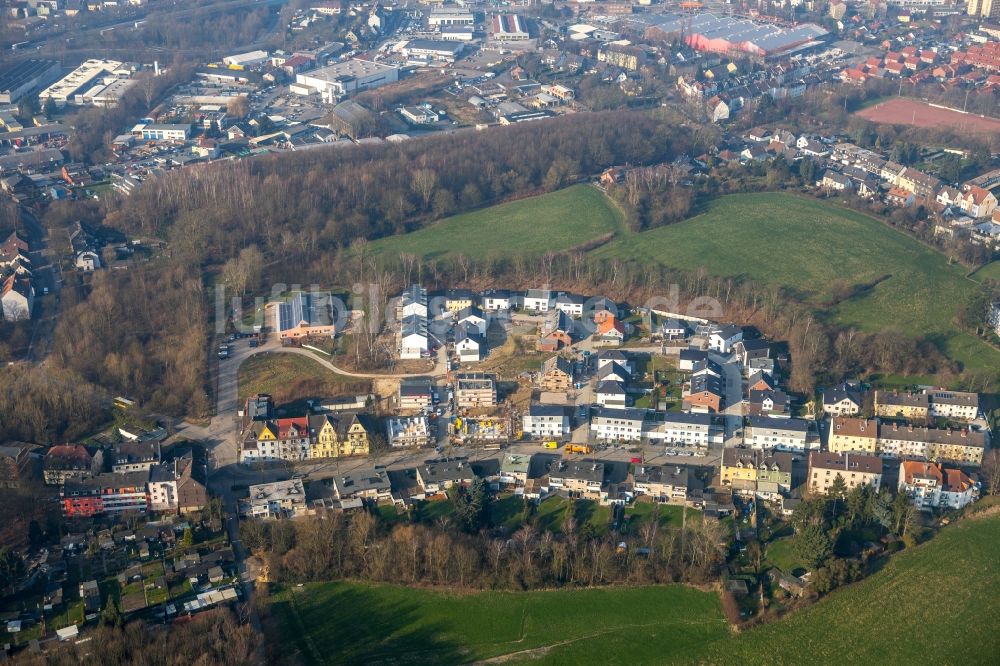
(24, 77)
(305, 314)
(162, 132)
(346, 77)
(432, 48)
(725, 34)
(509, 28)
(441, 16)
(83, 84)
(249, 59)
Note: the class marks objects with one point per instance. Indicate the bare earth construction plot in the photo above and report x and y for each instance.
(902, 111)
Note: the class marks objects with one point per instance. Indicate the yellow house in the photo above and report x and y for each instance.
(323, 432)
(738, 466)
(357, 441)
(962, 447)
(457, 300)
(849, 435)
(893, 404)
(335, 436)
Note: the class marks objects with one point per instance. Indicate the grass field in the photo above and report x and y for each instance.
(557, 221)
(936, 603)
(990, 271)
(289, 377)
(341, 623)
(797, 243)
(804, 245)
(888, 619)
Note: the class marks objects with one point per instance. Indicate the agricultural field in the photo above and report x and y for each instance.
(878, 620)
(902, 111)
(529, 227)
(915, 289)
(292, 376)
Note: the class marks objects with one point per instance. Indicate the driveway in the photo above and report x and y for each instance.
(733, 412)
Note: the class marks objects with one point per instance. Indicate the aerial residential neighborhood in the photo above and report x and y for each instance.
(461, 332)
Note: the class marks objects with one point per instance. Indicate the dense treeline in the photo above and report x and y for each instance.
(653, 196)
(359, 546)
(142, 333)
(300, 207)
(211, 638)
(204, 31)
(47, 404)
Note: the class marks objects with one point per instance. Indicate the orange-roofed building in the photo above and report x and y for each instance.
(930, 486)
(610, 332)
(978, 202)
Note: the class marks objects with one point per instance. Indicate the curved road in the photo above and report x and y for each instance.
(222, 431)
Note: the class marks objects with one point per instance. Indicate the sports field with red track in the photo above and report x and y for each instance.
(902, 111)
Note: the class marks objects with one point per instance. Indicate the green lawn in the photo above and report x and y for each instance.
(990, 271)
(781, 553)
(804, 245)
(507, 512)
(888, 618)
(667, 515)
(289, 377)
(590, 516)
(73, 614)
(342, 623)
(556, 221)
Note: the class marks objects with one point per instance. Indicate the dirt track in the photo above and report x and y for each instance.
(901, 111)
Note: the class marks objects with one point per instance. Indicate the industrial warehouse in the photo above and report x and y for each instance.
(724, 34)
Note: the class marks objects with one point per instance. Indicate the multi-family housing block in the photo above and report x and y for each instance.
(963, 446)
(767, 473)
(582, 479)
(855, 469)
(785, 434)
(853, 435)
(546, 422)
(932, 486)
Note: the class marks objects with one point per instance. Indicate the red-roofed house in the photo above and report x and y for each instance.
(978, 202)
(930, 486)
(610, 332)
(894, 67)
(898, 196)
